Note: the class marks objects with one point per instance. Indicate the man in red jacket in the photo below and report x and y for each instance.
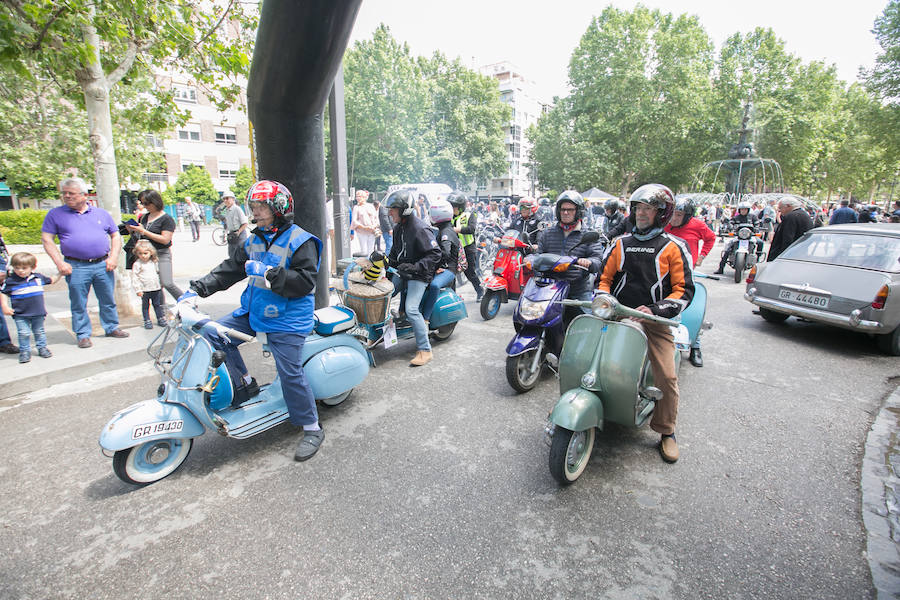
(691, 230)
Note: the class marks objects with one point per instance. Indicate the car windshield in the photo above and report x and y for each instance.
(877, 252)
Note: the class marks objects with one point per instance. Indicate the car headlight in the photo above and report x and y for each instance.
(604, 306)
(530, 310)
(744, 233)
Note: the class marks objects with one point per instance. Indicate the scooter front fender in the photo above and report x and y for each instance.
(578, 410)
(495, 283)
(146, 421)
(525, 340)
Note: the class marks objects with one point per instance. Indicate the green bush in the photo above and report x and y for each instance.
(22, 226)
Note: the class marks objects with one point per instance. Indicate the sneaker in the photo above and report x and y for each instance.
(85, 343)
(668, 448)
(252, 388)
(9, 348)
(24, 358)
(479, 295)
(309, 445)
(422, 357)
(148, 324)
(117, 333)
(44, 352)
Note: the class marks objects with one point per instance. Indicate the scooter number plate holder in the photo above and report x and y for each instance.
(744, 245)
(682, 337)
(390, 334)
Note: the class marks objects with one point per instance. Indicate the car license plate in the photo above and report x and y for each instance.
(744, 245)
(157, 428)
(804, 298)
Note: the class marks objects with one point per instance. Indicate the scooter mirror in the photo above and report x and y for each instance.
(591, 237)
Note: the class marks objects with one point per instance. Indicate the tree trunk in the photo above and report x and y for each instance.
(95, 86)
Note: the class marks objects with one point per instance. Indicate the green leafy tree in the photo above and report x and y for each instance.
(386, 105)
(639, 81)
(89, 48)
(466, 122)
(195, 182)
(243, 180)
(884, 78)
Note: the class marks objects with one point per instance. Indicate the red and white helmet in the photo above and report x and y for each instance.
(529, 203)
(275, 194)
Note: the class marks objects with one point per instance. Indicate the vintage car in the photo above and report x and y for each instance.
(842, 275)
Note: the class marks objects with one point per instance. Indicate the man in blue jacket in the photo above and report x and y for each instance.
(281, 261)
(843, 214)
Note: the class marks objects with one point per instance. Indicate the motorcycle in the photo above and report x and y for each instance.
(510, 274)
(539, 318)
(605, 376)
(448, 310)
(151, 439)
(486, 246)
(747, 252)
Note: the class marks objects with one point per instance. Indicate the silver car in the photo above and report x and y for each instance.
(842, 275)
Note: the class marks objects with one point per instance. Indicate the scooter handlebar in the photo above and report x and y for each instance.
(240, 335)
(624, 311)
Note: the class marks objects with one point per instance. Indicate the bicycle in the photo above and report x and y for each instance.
(219, 236)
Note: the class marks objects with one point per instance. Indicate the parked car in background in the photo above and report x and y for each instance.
(842, 275)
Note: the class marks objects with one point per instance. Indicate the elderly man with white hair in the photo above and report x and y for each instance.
(89, 246)
(795, 222)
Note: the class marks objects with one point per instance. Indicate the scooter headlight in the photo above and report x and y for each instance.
(604, 306)
(744, 233)
(530, 310)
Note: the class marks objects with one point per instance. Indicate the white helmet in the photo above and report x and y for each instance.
(440, 211)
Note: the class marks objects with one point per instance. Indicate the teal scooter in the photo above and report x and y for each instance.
(604, 376)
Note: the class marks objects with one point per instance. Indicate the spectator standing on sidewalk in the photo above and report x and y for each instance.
(6, 345)
(192, 212)
(235, 224)
(157, 227)
(365, 222)
(89, 246)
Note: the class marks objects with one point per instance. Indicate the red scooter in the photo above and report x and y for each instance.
(509, 276)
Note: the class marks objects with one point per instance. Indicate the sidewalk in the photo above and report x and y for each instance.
(69, 363)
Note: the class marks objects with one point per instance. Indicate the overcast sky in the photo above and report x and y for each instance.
(539, 37)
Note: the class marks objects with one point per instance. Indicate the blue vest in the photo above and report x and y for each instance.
(268, 311)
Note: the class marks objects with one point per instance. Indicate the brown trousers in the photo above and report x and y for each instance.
(661, 352)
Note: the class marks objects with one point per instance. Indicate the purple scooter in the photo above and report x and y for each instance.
(539, 318)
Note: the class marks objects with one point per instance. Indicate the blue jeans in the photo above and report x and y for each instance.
(25, 327)
(286, 348)
(442, 279)
(4, 332)
(83, 276)
(415, 289)
(388, 239)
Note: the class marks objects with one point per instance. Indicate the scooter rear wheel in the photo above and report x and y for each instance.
(442, 333)
(519, 374)
(490, 304)
(570, 452)
(335, 400)
(151, 461)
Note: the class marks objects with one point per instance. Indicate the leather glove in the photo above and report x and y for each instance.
(256, 268)
(406, 270)
(231, 238)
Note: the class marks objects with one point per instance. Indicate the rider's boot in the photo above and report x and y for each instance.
(668, 448)
(422, 357)
(696, 357)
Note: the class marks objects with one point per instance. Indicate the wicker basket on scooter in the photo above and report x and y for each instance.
(370, 301)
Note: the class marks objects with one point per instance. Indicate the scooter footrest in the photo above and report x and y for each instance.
(258, 425)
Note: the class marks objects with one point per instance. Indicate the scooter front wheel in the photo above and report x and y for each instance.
(519, 374)
(570, 452)
(740, 263)
(490, 304)
(151, 461)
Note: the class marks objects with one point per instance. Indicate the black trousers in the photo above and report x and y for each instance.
(472, 268)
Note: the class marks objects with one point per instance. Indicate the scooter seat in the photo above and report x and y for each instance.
(334, 319)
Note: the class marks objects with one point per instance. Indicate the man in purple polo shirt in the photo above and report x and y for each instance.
(89, 246)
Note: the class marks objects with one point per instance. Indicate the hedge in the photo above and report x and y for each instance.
(24, 226)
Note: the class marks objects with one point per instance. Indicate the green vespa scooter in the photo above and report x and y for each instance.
(604, 376)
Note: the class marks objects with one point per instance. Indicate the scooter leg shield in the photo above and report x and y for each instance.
(578, 410)
(146, 421)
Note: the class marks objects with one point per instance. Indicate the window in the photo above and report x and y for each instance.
(154, 142)
(189, 133)
(184, 93)
(187, 163)
(227, 170)
(516, 132)
(156, 177)
(226, 135)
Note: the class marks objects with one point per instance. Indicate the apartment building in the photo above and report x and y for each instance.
(217, 141)
(517, 91)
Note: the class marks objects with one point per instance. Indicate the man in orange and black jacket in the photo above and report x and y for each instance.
(650, 270)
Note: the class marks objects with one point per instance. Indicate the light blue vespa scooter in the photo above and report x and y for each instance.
(151, 439)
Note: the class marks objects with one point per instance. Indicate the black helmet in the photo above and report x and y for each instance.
(686, 205)
(457, 199)
(611, 205)
(403, 200)
(544, 201)
(656, 195)
(573, 197)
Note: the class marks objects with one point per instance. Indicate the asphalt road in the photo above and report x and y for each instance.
(433, 483)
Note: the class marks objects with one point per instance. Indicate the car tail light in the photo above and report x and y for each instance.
(880, 298)
(751, 276)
